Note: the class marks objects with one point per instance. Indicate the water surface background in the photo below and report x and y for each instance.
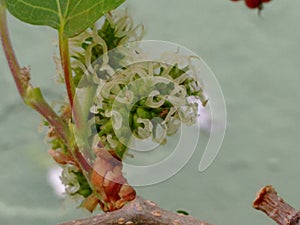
(255, 59)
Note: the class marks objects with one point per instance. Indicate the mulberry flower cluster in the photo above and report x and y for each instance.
(145, 100)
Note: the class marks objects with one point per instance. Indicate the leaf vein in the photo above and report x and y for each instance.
(76, 5)
(34, 6)
(84, 12)
(67, 9)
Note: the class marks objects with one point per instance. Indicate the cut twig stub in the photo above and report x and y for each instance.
(271, 204)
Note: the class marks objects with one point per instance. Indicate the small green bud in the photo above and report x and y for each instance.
(154, 114)
(106, 128)
(142, 102)
(143, 113)
(80, 177)
(135, 123)
(85, 192)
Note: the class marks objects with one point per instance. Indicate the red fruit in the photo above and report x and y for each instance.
(253, 4)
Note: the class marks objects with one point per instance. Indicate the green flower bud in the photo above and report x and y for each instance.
(135, 123)
(85, 192)
(106, 128)
(142, 102)
(143, 113)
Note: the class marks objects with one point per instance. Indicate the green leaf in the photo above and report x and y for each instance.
(70, 17)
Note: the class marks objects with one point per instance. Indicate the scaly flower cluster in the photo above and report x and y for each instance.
(145, 100)
(142, 100)
(92, 46)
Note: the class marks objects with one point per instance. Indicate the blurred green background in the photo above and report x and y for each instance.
(256, 61)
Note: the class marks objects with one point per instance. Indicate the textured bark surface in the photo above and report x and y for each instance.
(139, 212)
(270, 203)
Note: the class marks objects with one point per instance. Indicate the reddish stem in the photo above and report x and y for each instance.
(22, 76)
(47, 112)
(69, 82)
(85, 166)
(9, 53)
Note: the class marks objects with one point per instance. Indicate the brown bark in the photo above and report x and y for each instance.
(270, 203)
(139, 212)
